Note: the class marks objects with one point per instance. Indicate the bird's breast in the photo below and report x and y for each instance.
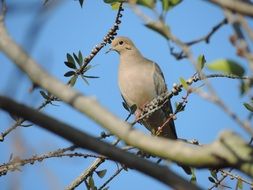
(136, 84)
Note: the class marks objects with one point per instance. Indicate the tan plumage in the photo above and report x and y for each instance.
(141, 80)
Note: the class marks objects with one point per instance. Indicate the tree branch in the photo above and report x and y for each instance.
(19, 121)
(207, 37)
(107, 39)
(15, 163)
(77, 137)
(87, 172)
(241, 7)
(178, 152)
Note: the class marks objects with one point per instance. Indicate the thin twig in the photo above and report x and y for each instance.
(84, 175)
(240, 42)
(159, 101)
(88, 171)
(15, 163)
(245, 26)
(206, 38)
(229, 171)
(107, 39)
(235, 176)
(242, 7)
(20, 121)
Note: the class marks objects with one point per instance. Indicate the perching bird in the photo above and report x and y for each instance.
(140, 81)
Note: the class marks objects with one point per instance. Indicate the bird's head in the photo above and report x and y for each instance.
(122, 45)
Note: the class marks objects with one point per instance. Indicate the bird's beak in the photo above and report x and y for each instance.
(109, 50)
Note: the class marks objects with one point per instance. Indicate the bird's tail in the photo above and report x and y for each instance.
(161, 124)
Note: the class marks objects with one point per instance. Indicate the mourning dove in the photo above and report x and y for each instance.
(140, 81)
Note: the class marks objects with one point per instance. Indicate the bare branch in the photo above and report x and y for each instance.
(186, 52)
(204, 156)
(76, 136)
(15, 163)
(243, 49)
(235, 176)
(242, 7)
(159, 101)
(88, 171)
(84, 175)
(90, 107)
(19, 121)
(107, 39)
(207, 37)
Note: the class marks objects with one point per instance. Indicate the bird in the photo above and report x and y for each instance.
(140, 80)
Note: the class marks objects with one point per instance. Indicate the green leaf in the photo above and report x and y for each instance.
(193, 177)
(115, 6)
(92, 77)
(86, 68)
(112, 1)
(76, 58)
(91, 183)
(239, 184)
(85, 80)
(101, 173)
(183, 82)
(71, 62)
(245, 86)
(169, 4)
(69, 73)
(80, 58)
(179, 107)
(125, 105)
(201, 62)
(226, 66)
(73, 80)
(70, 65)
(133, 108)
(211, 179)
(44, 95)
(147, 3)
(70, 58)
(159, 27)
(248, 107)
(214, 174)
(165, 5)
(81, 2)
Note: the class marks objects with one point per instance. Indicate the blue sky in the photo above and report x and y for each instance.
(68, 28)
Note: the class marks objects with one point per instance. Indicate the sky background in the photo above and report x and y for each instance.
(48, 34)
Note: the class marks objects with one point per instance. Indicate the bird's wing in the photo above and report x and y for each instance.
(161, 116)
(159, 81)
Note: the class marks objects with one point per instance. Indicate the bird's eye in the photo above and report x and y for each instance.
(121, 42)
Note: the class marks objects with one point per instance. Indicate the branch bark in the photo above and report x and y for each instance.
(228, 150)
(235, 5)
(77, 137)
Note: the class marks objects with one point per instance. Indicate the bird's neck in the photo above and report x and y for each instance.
(131, 56)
